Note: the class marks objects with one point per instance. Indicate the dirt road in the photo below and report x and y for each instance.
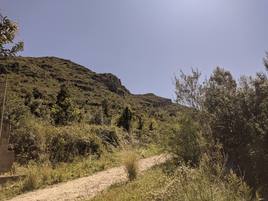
(87, 187)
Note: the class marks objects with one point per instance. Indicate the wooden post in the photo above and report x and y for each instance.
(3, 109)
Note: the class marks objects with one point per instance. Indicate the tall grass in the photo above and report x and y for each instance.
(186, 184)
(137, 190)
(31, 181)
(39, 175)
(210, 181)
(131, 165)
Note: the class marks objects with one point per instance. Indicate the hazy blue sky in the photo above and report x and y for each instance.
(145, 42)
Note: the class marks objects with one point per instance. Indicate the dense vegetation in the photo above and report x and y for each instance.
(219, 143)
(84, 112)
(233, 114)
(69, 121)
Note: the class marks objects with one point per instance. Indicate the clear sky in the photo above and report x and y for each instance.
(145, 42)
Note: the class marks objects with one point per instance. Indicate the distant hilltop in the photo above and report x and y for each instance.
(88, 88)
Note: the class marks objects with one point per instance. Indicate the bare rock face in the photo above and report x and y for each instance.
(112, 83)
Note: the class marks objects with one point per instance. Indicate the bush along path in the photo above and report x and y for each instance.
(88, 187)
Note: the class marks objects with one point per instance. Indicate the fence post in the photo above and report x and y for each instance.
(3, 108)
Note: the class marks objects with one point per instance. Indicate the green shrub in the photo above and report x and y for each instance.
(29, 139)
(39, 141)
(125, 119)
(97, 118)
(27, 145)
(202, 184)
(236, 115)
(65, 111)
(185, 142)
(65, 146)
(69, 142)
(109, 136)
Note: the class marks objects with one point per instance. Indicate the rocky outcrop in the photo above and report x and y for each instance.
(112, 83)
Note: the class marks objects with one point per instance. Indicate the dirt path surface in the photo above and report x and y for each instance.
(87, 187)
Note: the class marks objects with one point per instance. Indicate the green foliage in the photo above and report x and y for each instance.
(64, 147)
(26, 145)
(65, 111)
(239, 121)
(125, 119)
(97, 118)
(57, 132)
(36, 140)
(189, 90)
(207, 182)
(27, 141)
(37, 104)
(185, 142)
(236, 115)
(67, 143)
(34, 83)
(202, 185)
(8, 31)
(137, 190)
(81, 140)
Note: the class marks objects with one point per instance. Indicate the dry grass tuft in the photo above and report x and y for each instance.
(131, 165)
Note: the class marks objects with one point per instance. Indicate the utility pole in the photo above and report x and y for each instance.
(3, 109)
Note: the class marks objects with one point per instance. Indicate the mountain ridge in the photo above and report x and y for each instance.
(88, 87)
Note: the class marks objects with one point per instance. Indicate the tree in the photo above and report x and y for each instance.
(125, 119)
(236, 117)
(65, 110)
(189, 90)
(8, 31)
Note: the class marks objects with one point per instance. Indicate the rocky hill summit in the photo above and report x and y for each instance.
(88, 88)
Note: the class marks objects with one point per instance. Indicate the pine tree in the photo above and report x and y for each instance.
(125, 119)
(65, 110)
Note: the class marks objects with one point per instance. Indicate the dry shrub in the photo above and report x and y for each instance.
(31, 180)
(131, 165)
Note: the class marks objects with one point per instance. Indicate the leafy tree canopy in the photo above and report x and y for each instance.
(8, 31)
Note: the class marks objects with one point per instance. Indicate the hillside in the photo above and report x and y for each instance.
(97, 100)
(72, 122)
(88, 88)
